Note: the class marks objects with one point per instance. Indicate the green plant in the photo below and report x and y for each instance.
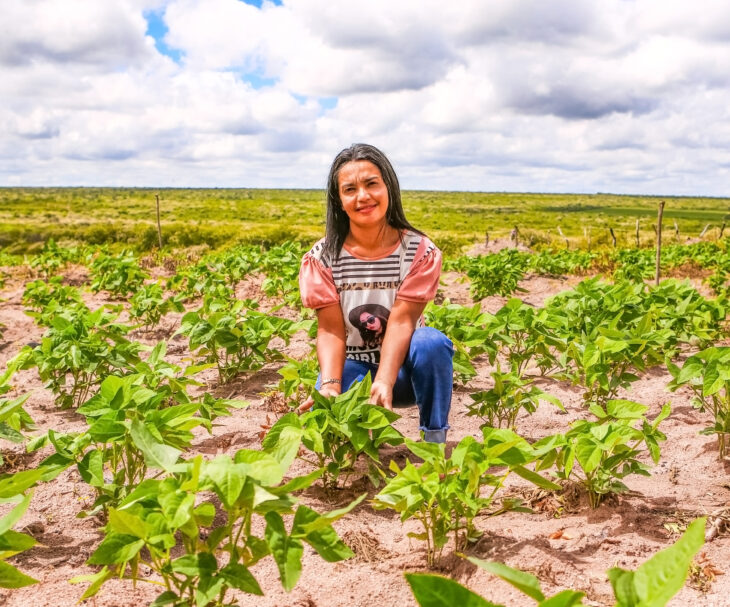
(653, 584)
(606, 359)
(201, 551)
(52, 258)
(281, 266)
(201, 279)
(234, 336)
(117, 274)
(45, 299)
(496, 274)
(446, 494)
(149, 304)
(130, 429)
(558, 263)
(634, 265)
(607, 450)
(526, 335)
(298, 378)
(336, 431)
(79, 348)
(499, 406)
(707, 374)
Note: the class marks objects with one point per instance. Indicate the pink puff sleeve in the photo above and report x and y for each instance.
(422, 281)
(316, 285)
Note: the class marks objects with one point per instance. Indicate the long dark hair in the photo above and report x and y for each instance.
(338, 223)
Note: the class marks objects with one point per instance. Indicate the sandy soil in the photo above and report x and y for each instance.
(564, 543)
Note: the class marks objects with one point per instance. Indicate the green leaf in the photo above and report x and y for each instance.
(116, 548)
(17, 483)
(287, 551)
(96, 579)
(283, 440)
(155, 453)
(625, 409)
(10, 577)
(226, 478)
(324, 520)
(124, 522)
(566, 598)
(426, 451)
(91, 468)
(438, 591)
(259, 466)
(536, 479)
(12, 543)
(323, 539)
(238, 576)
(663, 575)
(622, 582)
(15, 514)
(525, 582)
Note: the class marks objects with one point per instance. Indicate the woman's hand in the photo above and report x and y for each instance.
(329, 391)
(381, 393)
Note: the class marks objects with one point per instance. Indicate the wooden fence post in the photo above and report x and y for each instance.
(159, 226)
(613, 236)
(659, 241)
(567, 242)
(704, 231)
(638, 244)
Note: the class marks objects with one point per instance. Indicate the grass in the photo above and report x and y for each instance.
(217, 217)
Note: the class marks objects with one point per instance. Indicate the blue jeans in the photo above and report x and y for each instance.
(425, 378)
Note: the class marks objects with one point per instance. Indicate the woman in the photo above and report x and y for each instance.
(369, 280)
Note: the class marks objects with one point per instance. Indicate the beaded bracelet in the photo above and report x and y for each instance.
(331, 381)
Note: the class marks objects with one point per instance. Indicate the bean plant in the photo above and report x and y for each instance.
(14, 419)
(499, 406)
(204, 549)
(119, 275)
(601, 453)
(707, 374)
(131, 428)
(234, 336)
(445, 494)
(79, 348)
(336, 431)
(149, 305)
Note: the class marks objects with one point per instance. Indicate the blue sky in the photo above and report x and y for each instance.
(513, 95)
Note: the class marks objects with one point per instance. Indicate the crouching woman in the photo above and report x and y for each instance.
(369, 280)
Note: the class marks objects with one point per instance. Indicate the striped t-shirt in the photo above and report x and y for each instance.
(367, 288)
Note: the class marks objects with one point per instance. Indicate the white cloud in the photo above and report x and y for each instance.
(507, 95)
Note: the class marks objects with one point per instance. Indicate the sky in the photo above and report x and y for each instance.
(620, 96)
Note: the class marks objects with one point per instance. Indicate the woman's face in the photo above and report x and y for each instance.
(363, 193)
(371, 322)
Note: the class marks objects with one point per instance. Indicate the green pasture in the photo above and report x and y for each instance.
(218, 217)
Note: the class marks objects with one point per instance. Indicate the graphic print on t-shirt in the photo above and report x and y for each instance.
(367, 289)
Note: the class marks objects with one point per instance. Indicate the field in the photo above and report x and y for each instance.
(29, 217)
(576, 419)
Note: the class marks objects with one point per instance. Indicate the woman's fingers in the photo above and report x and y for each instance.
(382, 394)
(306, 405)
